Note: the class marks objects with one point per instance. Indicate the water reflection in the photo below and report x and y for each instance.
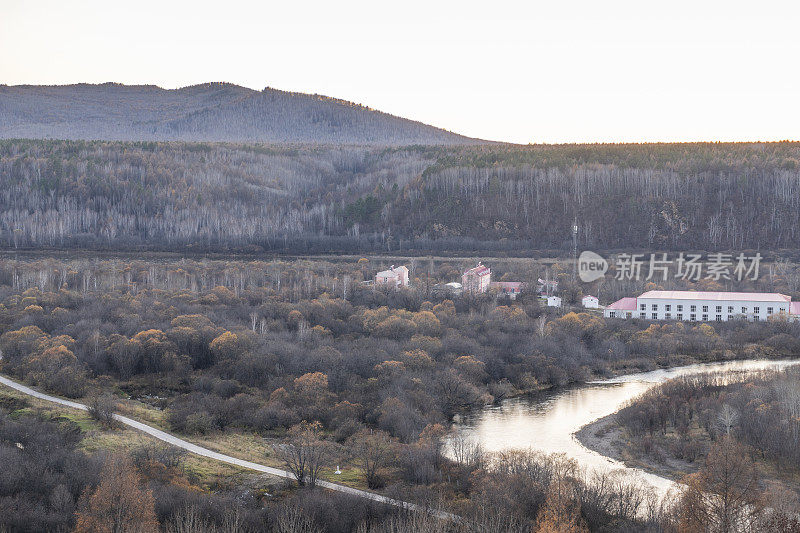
(548, 423)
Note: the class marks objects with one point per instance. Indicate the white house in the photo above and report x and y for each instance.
(394, 277)
(700, 306)
(553, 301)
(590, 302)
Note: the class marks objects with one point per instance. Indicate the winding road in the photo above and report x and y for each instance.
(205, 452)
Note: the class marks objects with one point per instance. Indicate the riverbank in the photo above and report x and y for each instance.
(679, 448)
(606, 437)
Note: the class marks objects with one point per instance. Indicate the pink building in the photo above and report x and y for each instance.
(476, 280)
(623, 308)
(704, 306)
(394, 277)
(509, 288)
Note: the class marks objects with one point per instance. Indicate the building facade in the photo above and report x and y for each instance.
(506, 288)
(700, 306)
(476, 280)
(394, 277)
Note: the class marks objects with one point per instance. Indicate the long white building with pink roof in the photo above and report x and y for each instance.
(701, 306)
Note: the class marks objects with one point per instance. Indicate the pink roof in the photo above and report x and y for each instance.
(479, 270)
(794, 309)
(625, 304)
(506, 284)
(724, 296)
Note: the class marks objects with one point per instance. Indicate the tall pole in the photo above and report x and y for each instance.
(574, 248)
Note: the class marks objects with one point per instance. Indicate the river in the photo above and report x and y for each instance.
(548, 423)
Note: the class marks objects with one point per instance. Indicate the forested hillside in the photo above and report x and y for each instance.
(208, 112)
(311, 198)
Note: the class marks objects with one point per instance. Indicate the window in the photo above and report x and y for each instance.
(692, 317)
(755, 318)
(744, 310)
(642, 307)
(642, 315)
(612, 314)
(719, 318)
(680, 316)
(679, 308)
(654, 307)
(655, 316)
(705, 318)
(705, 309)
(769, 310)
(667, 316)
(693, 308)
(756, 310)
(667, 307)
(730, 309)
(719, 309)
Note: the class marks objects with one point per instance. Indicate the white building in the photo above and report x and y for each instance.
(394, 277)
(590, 302)
(698, 306)
(553, 301)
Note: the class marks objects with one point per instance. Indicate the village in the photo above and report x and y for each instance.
(478, 280)
(690, 306)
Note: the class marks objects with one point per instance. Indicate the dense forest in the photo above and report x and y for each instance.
(301, 199)
(216, 112)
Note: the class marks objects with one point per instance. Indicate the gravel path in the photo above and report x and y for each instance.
(205, 452)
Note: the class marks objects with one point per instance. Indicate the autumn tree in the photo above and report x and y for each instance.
(119, 504)
(229, 345)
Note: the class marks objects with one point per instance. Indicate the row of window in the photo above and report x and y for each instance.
(678, 316)
(693, 309)
(668, 316)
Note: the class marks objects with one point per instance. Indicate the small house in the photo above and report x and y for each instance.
(590, 302)
(553, 301)
(394, 277)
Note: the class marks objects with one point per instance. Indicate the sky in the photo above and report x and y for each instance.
(526, 72)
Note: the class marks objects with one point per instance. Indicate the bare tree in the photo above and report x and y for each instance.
(724, 496)
(292, 519)
(465, 451)
(304, 452)
(102, 408)
(727, 418)
(371, 452)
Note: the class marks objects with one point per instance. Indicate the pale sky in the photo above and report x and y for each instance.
(540, 72)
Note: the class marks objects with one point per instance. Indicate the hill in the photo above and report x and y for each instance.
(211, 112)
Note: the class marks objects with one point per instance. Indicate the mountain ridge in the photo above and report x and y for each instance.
(206, 112)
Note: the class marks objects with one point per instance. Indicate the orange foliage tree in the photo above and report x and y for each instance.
(119, 504)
